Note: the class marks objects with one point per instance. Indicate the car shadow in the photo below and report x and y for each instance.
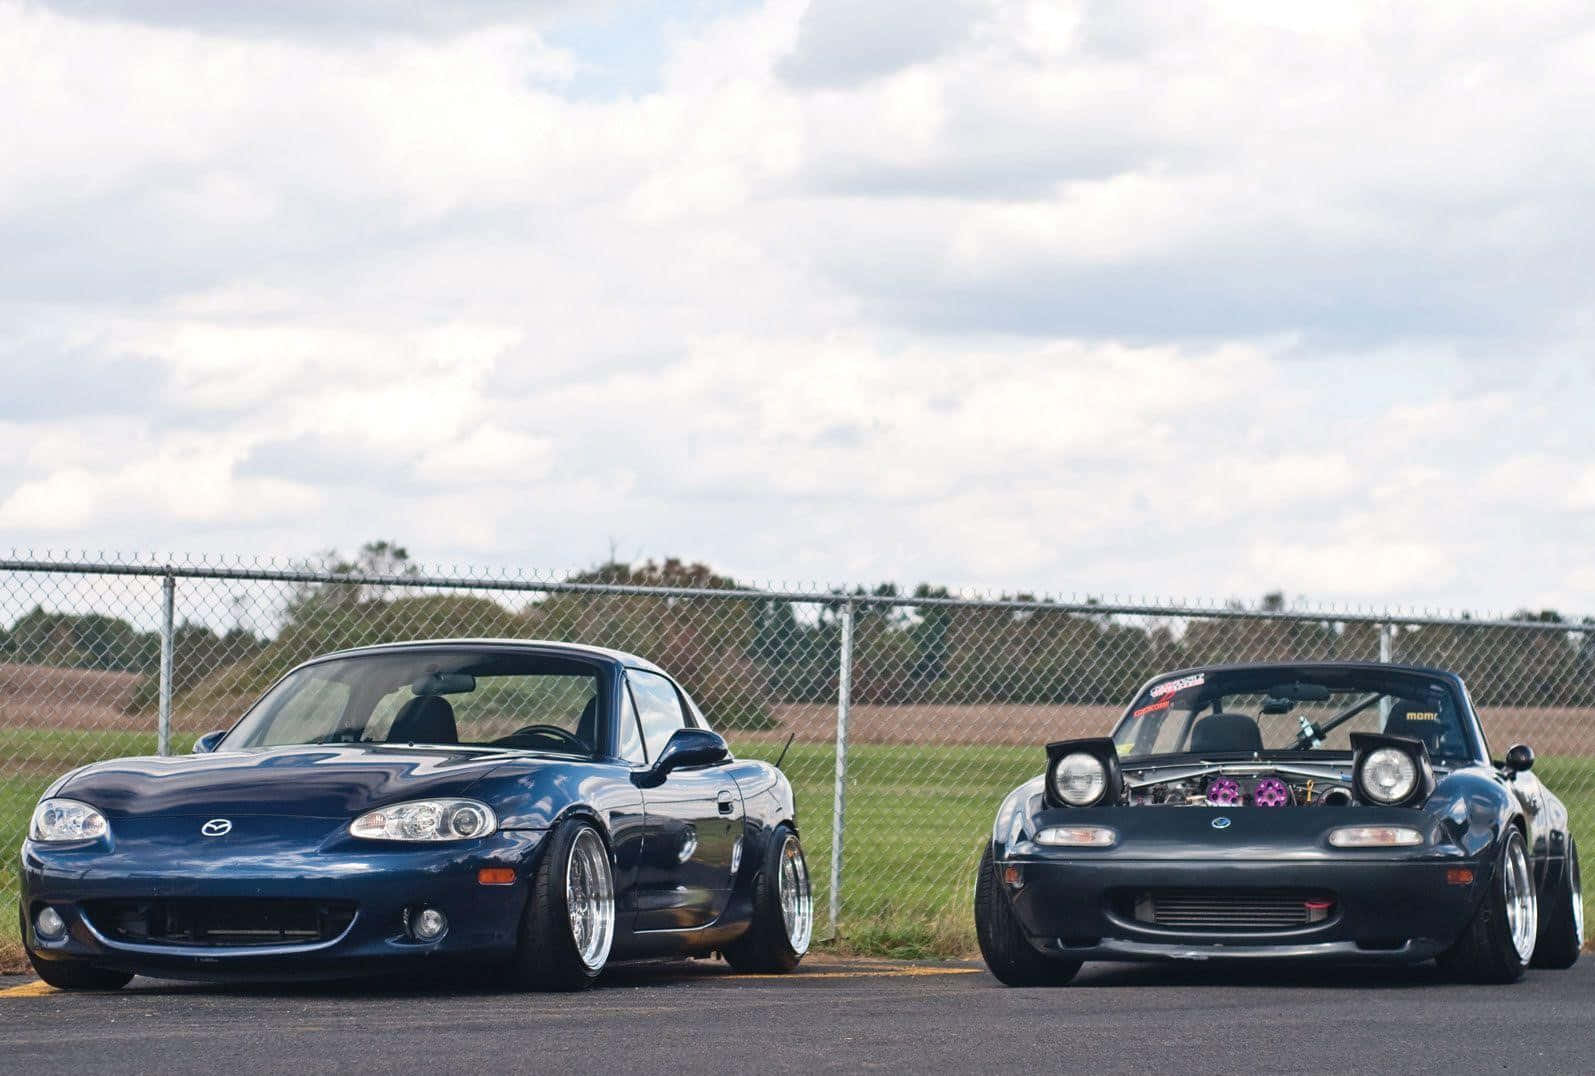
(1241, 973)
(455, 982)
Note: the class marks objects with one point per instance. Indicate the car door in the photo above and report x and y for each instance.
(692, 822)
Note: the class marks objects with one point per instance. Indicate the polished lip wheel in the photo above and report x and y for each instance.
(1522, 910)
(590, 898)
(797, 901)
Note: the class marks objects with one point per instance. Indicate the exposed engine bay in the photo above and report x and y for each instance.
(1240, 786)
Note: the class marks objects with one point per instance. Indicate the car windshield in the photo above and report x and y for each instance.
(1291, 708)
(473, 698)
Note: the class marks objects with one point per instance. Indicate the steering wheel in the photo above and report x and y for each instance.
(551, 730)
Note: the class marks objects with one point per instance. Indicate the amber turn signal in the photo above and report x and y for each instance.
(496, 876)
(1459, 876)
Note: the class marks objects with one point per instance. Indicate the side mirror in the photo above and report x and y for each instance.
(207, 743)
(1520, 758)
(688, 747)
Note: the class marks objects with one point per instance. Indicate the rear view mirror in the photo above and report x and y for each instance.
(207, 743)
(1272, 705)
(1520, 758)
(439, 683)
(1299, 692)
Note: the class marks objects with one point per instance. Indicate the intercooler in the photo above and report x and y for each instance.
(1234, 911)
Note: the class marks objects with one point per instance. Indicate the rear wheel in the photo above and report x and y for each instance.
(1009, 954)
(569, 924)
(783, 910)
(1499, 943)
(1562, 917)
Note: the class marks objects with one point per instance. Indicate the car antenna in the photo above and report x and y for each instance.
(782, 755)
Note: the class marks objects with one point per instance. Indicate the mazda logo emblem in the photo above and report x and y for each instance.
(216, 827)
(1221, 822)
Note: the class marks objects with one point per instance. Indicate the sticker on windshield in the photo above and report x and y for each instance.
(1427, 716)
(1169, 688)
(1154, 708)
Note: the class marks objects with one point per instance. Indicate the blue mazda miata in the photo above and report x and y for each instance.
(539, 808)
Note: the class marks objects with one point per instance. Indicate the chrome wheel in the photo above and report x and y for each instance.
(1522, 909)
(797, 902)
(590, 899)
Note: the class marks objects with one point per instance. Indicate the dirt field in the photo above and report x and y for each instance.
(34, 697)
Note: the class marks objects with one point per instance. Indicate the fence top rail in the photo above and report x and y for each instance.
(823, 597)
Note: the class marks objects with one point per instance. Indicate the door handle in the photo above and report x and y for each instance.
(725, 801)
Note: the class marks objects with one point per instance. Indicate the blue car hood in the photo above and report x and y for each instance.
(312, 782)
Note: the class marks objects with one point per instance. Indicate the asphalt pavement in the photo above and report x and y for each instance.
(831, 1016)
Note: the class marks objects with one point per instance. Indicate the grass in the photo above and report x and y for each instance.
(916, 818)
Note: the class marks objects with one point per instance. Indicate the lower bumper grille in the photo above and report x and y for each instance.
(1235, 911)
(220, 923)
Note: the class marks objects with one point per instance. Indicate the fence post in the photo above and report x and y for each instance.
(844, 695)
(1386, 632)
(163, 729)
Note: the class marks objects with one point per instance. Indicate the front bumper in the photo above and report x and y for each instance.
(381, 880)
(1388, 905)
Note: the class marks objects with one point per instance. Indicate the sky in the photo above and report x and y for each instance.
(1139, 299)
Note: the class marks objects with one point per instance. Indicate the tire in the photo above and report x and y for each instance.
(1008, 953)
(1562, 917)
(72, 974)
(1486, 953)
(575, 869)
(783, 910)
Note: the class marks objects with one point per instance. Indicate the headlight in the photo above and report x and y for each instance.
(426, 820)
(1389, 775)
(1375, 837)
(1080, 779)
(66, 820)
(1077, 837)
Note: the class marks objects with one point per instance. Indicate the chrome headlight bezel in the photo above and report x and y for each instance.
(62, 820)
(427, 821)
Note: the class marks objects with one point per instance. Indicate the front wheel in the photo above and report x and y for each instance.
(1009, 954)
(1499, 943)
(1562, 917)
(569, 923)
(783, 910)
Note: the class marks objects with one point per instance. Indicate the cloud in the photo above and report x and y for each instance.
(1201, 299)
(841, 44)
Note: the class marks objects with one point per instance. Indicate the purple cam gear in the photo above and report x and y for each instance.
(1271, 792)
(1224, 792)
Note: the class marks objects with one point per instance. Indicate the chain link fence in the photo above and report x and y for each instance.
(910, 714)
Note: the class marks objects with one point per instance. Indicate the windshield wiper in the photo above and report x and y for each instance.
(1311, 735)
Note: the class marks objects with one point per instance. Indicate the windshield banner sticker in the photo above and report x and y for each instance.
(1169, 688)
(1154, 708)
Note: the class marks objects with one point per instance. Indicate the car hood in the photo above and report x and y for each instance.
(312, 782)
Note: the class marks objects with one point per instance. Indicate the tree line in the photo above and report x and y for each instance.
(741, 657)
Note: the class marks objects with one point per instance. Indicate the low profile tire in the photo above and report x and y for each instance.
(1562, 917)
(1009, 955)
(569, 923)
(783, 910)
(1498, 944)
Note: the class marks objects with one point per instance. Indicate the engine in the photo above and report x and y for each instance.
(1242, 790)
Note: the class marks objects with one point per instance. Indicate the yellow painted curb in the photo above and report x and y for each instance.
(36, 989)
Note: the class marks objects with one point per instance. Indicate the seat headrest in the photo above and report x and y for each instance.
(587, 724)
(425, 719)
(1225, 733)
(1420, 721)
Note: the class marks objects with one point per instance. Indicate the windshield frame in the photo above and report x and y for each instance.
(1284, 672)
